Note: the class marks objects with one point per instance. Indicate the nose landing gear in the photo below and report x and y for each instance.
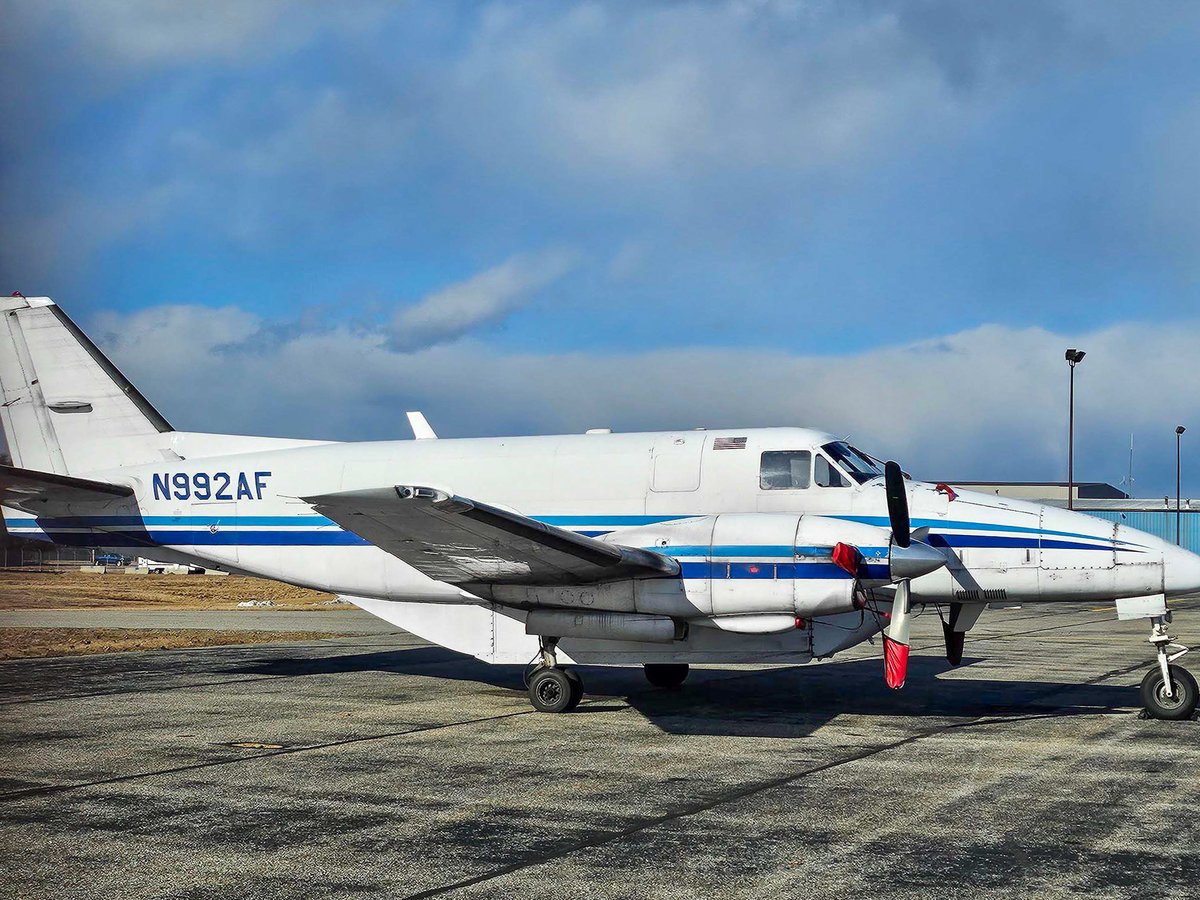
(1168, 691)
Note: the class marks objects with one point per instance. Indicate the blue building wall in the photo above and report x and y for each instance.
(1158, 522)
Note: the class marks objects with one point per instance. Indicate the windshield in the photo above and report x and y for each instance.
(857, 464)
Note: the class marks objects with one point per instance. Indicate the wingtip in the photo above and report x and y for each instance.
(17, 300)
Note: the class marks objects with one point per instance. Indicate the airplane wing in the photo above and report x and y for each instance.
(463, 541)
(19, 485)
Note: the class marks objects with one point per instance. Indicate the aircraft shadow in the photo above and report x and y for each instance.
(788, 702)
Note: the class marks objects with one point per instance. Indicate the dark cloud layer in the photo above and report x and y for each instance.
(916, 203)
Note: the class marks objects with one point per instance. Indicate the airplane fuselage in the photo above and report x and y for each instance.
(243, 512)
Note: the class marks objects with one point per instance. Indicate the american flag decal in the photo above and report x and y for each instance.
(728, 443)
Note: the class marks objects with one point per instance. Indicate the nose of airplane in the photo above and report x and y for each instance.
(1181, 571)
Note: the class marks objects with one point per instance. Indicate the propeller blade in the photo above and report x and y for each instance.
(897, 503)
(955, 640)
(955, 627)
(895, 640)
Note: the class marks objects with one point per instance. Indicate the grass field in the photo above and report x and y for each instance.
(68, 589)
(24, 643)
(73, 589)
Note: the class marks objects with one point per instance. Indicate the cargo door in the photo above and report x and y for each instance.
(675, 475)
(677, 464)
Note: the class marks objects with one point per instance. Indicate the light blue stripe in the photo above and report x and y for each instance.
(609, 521)
(126, 521)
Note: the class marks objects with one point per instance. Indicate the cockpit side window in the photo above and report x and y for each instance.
(861, 467)
(784, 470)
(826, 475)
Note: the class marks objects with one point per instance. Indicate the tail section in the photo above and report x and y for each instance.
(65, 407)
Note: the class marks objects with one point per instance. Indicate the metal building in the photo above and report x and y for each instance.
(1156, 517)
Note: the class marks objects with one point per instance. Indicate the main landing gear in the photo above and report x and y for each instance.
(666, 675)
(553, 688)
(556, 689)
(1168, 691)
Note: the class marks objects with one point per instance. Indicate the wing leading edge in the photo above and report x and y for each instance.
(463, 541)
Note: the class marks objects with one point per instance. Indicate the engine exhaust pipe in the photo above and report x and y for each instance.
(605, 626)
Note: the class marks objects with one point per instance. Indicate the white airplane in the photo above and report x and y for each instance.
(762, 545)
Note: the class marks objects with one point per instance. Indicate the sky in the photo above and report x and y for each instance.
(887, 220)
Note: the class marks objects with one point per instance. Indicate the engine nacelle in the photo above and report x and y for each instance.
(739, 564)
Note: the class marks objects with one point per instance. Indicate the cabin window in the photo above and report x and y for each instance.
(826, 475)
(784, 470)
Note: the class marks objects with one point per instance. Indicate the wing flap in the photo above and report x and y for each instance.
(462, 541)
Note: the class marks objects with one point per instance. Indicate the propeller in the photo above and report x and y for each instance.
(897, 504)
(907, 559)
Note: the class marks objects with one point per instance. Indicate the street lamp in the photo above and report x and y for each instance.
(1179, 430)
(1073, 357)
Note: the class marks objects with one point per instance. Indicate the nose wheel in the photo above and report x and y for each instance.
(1168, 691)
(1176, 700)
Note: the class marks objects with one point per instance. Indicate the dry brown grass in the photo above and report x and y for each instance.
(75, 589)
(25, 643)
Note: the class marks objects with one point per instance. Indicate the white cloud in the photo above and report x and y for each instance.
(482, 299)
(983, 403)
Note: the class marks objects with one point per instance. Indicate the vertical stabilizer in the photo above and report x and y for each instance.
(64, 406)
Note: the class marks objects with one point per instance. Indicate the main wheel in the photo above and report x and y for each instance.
(552, 690)
(576, 688)
(1159, 704)
(666, 675)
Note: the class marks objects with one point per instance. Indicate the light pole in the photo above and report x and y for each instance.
(1073, 357)
(1179, 430)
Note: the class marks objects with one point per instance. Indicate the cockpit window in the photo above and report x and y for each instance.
(784, 470)
(825, 474)
(860, 466)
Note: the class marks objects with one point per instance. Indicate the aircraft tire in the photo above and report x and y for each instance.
(576, 688)
(666, 675)
(551, 690)
(1159, 705)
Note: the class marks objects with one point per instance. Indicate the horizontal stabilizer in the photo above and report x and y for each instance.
(18, 485)
(463, 541)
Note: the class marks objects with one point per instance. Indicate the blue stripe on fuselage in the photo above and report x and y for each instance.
(310, 530)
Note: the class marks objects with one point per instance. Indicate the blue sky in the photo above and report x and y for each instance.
(886, 219)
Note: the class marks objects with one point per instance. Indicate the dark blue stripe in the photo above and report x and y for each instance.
(942, 524)
(986, 540)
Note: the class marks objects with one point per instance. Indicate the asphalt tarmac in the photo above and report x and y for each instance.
(379, 765)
